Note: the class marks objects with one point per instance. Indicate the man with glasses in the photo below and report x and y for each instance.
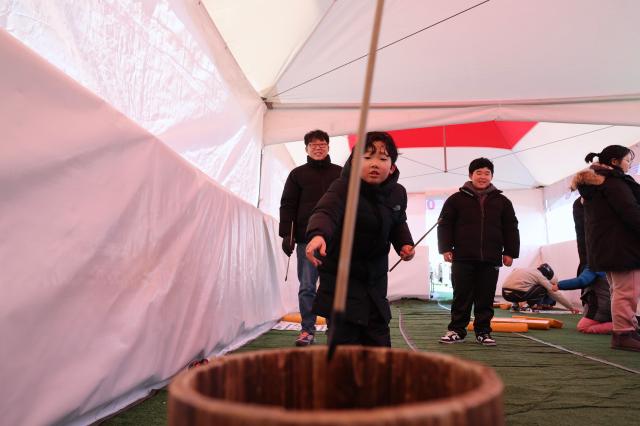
(304, 187)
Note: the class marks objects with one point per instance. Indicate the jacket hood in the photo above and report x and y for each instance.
(593, 175)
(469, 189)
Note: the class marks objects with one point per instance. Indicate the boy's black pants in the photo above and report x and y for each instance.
(474, 284)
(375, 333)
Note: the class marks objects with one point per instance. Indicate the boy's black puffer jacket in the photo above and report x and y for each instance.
(381, 220)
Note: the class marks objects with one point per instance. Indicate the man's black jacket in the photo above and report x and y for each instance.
(302, 190)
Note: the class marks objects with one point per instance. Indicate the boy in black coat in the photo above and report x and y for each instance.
(478, 232)
(381, 219)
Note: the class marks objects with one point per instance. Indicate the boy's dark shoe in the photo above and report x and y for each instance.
(304, 339)
(451, 337)
(197, 363)
(485, 339)
(626, 340)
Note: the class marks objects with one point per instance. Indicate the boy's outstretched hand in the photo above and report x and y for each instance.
(316, 243)
(407, 252)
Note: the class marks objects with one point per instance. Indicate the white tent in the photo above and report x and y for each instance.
(132, 161)
(448, 62)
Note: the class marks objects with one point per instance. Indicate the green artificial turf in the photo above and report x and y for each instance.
(544, 385)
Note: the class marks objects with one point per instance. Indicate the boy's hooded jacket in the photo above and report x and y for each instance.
(381, 219)
(612, 218)
(478, 227)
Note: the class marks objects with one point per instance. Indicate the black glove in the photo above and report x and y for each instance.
(288, 244)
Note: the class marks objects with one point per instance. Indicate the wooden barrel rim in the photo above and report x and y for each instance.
(184, 389)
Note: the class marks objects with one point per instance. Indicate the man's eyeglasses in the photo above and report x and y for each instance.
(318, 145)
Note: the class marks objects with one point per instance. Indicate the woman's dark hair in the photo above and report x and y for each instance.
(612, 152)
(386, 139)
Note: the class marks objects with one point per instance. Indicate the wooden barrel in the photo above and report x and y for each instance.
(360, 386)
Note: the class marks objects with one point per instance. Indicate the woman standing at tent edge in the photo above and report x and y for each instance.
(612, 230)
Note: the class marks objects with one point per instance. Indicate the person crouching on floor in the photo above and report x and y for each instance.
(533, 285)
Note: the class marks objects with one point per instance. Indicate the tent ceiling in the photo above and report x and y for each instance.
(435, 51)
(491, 134)
(264, 36)
(529, 156)
(439, 63)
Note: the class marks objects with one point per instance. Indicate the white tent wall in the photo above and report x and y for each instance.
(411, 279)
(161, 63)
(121, 262)
(563, 258)
(275, 167)
(529, 208)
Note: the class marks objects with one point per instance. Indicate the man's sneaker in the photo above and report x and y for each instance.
(304, 339)
(485, 339)
(451, 337)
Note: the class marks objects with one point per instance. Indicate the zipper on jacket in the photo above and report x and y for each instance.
(481, 228)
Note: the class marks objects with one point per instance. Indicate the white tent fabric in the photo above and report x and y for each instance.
(454, 62)
(164, 66)
(526, 165)
(568, 65)
(121, 263)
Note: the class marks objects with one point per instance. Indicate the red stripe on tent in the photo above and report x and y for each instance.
(492, 134)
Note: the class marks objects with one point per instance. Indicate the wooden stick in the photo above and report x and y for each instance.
(417, 242)
(290, 244)
(346, 243)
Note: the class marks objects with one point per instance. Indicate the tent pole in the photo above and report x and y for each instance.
(444, 144)
(260, 177)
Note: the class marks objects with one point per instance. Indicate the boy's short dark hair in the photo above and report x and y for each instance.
(546, 270)
(479, 163)
(316, 134)
(386, 139)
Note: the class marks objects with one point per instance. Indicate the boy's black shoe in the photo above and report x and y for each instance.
(485, 339)
(451, 337)
(304, 339)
